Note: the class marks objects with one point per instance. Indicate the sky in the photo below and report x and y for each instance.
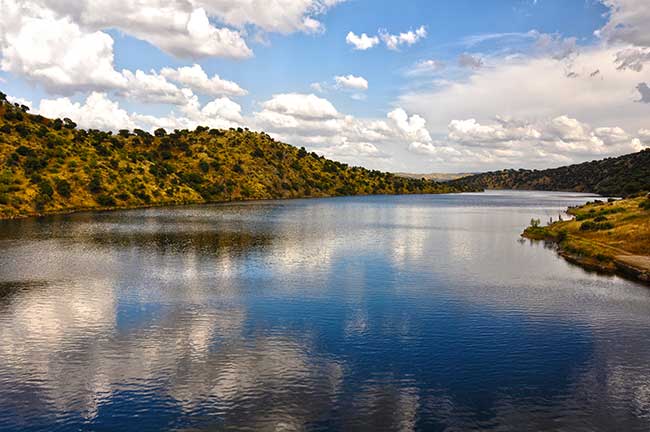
(409, 86)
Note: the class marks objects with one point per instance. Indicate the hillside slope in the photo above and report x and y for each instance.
(621, 176)
(51, 166)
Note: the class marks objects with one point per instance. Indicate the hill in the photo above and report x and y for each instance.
(619, 176)
(48, 165)
(439, 177)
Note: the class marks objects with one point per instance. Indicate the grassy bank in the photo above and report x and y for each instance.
(611, 237)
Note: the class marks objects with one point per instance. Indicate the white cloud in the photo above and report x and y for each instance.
(97, 112)
(632, 58)
(628, 25)
(628, 22)
(175, 26)
(56, 52)
(470, 61)
(393, 42)
(542, 90)
(19, 101)
(323, 129)
(562, 135)
(362, 42)
(281, 16)
(317, 87)
(196, 78)
(153, 88)
(351, 82)
(302, 106)
(425, 67)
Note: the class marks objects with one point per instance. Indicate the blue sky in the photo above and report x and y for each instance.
(473, 86)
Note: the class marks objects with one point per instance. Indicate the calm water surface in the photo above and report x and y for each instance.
(369, 313)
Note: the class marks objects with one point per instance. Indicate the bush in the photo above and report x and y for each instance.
(105, 200)
(63, 187)
(204, 166)
(69, 124)
(95, 184)
(25, 151)
(45, 188)
(595, 226)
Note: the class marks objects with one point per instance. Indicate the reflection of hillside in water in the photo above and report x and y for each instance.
(340, 314)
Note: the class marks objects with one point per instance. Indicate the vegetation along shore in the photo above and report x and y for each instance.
(50, 166)
(609, 237)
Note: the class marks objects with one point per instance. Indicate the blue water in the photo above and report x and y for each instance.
(364, 313)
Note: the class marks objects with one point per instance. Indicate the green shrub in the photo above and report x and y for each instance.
(63, 187)
(204, 166)
(95, 184)
(105, 200)
(596, 226)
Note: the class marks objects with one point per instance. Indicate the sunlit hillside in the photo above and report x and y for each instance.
(49, 165)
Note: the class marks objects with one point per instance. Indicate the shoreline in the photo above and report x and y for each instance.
(608, 249)
(76, 210)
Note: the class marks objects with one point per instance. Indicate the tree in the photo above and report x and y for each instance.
(69, 124)
(63, 187)
(160, 132)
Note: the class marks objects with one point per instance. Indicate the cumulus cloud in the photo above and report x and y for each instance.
(627, 23)
(351, 82)
(561, 135)
(56, 52)
(362, 42)
(177, 26)
(303, 106)
(541, 91)
(195, 78)
(152, 88)
(394, 41)
(324, 129)
(97, 112)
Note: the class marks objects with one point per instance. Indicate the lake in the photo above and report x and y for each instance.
(363, 313)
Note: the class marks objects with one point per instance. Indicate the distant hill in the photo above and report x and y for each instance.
(619, 176)
(439, 177)
(48, 165)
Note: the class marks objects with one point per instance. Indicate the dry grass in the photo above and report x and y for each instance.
(603, 234)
